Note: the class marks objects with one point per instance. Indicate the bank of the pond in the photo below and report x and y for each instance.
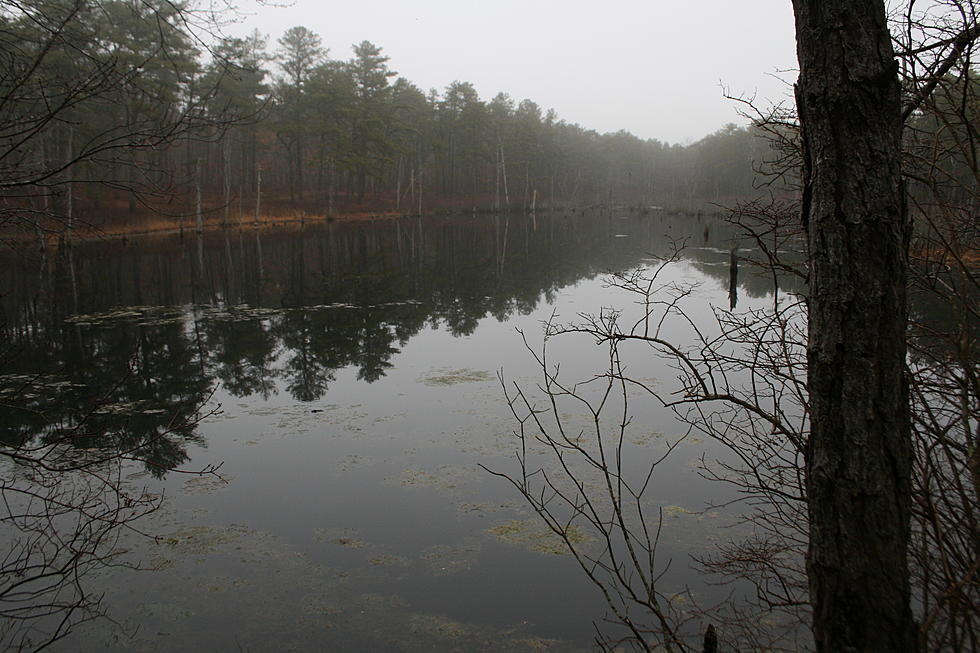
(56, 231)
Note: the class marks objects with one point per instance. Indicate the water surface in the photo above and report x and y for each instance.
(349, 374)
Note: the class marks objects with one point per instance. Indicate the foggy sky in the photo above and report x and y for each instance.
(652, 67)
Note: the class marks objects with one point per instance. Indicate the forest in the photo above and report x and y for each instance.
(841, 393)
(130, 114)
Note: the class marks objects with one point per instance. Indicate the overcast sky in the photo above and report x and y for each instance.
(652, 67)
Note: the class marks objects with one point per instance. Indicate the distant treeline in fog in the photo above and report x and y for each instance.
(115, 111)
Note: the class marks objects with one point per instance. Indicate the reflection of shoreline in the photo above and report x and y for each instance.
(755, 281)
(162, 322)
(254, 266)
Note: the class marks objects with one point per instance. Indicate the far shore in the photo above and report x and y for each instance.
(84, 232)
(164, 225)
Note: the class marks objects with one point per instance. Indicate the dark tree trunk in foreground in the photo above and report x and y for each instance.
(859, 458)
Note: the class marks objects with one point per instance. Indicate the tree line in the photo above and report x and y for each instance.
(116, 112)
(112, 109)
(354, 129)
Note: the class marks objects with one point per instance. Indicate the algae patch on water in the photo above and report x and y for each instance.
(531, 644)
(389, 560)
(444, 559)
(676, 511)
(346, 537)
(201, 540)
(349, 542)
(534, 534)
(321, 607)
(206, 484)
(165, 611)
(643, 439)
(485, 508)
(446, 477)
(159, 563)
(436, 626)
(221, 584)
(443, 377)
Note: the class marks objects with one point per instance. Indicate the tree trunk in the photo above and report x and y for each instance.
(411, 189)
(859, 455)
(330, 192)
(69, 202)
(398, 185)
(198, 209)
(258, 192)
(496, 181)
(321, 160)
(226, 145)
(299, 170)
(503, 172)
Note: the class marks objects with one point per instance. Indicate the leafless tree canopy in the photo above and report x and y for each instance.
(744, 384)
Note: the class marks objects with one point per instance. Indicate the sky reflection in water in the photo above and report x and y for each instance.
(355, 366)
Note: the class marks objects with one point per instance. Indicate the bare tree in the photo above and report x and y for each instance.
(79, 105)
(944, 188)
(93, 94)
(589, 497)
(751, 385)
(65, 507)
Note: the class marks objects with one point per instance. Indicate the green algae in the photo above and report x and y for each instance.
(535, 535)
(446, 477)
(322, 608)
(487, 508)
(206, 484)
(446, 377)
(165, 611)
(201, 540)
(436, 626)
(676, 511)
(223, 584)
(160, 563)
(534, 644)
(643, 439)
(388, 560)
(349, 542)
(444, 559)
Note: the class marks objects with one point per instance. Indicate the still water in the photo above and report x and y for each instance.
(348, 378)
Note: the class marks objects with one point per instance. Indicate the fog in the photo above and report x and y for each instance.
(657, 69)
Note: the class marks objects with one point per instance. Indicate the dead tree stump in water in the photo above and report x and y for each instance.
(710, 640)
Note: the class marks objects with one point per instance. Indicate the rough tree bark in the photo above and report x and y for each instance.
(859, 454)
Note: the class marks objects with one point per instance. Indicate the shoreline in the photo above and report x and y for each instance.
(55, 236)
(86, 233)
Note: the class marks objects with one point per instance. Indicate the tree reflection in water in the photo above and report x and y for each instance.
(112, 349)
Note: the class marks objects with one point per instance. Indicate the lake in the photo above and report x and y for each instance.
(346, 375)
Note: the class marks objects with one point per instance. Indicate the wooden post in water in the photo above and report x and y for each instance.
(710, 640)
(733, 277)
